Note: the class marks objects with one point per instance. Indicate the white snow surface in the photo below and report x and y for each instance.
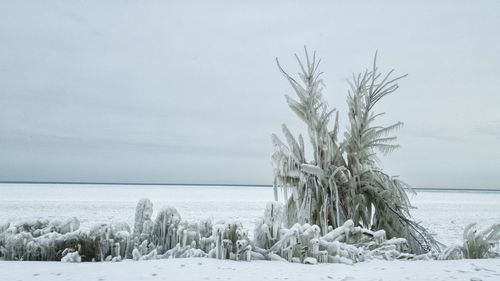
(445, 213)
(212, 269)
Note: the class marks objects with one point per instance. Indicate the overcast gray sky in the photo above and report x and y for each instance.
(188, 91)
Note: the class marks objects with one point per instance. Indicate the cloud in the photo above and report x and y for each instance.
(189, 92)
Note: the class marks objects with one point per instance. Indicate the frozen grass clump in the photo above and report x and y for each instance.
(477, 244)
(483, 243)
(343, 180)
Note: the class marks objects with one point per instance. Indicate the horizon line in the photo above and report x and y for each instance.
(221, 184)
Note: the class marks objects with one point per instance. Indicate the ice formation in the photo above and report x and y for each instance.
(343, 181)
(71, 257)
(477, 244)
(171, 237)
(143, 224)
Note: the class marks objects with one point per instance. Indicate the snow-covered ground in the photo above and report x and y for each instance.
(211, 269)
(446, 213)
(112, 203)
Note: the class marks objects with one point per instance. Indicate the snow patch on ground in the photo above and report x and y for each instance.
(210, 269)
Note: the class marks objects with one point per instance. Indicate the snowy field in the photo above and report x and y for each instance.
(445, 213)
(201, 269)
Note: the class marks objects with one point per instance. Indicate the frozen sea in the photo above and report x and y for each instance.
(445, 213)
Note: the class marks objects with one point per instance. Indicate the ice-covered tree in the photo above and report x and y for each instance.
(343, 180)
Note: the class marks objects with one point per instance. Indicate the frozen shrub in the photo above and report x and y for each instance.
(479, 244)
(136, 255)
(17, 245)
(454, 252)
(268, 228)
(172, 237)
(206, 238)
(71, 257)
(343, 181)
(122, 238)
(150, 256)
(225, 237)
(304, 243)
(143, 223)
(188, 234)
(165, 233)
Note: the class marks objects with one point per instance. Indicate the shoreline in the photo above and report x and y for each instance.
(419, 189)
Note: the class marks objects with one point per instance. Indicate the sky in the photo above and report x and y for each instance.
(189, 92)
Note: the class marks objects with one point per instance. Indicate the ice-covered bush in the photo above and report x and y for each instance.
(169, 236)
(52, 240)
(71, 257)
(143, 225)
(477, 244)
(229, 241)
(343, 180)
(173, 237)
(268, 228)
(304, 243)
(166, 229)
